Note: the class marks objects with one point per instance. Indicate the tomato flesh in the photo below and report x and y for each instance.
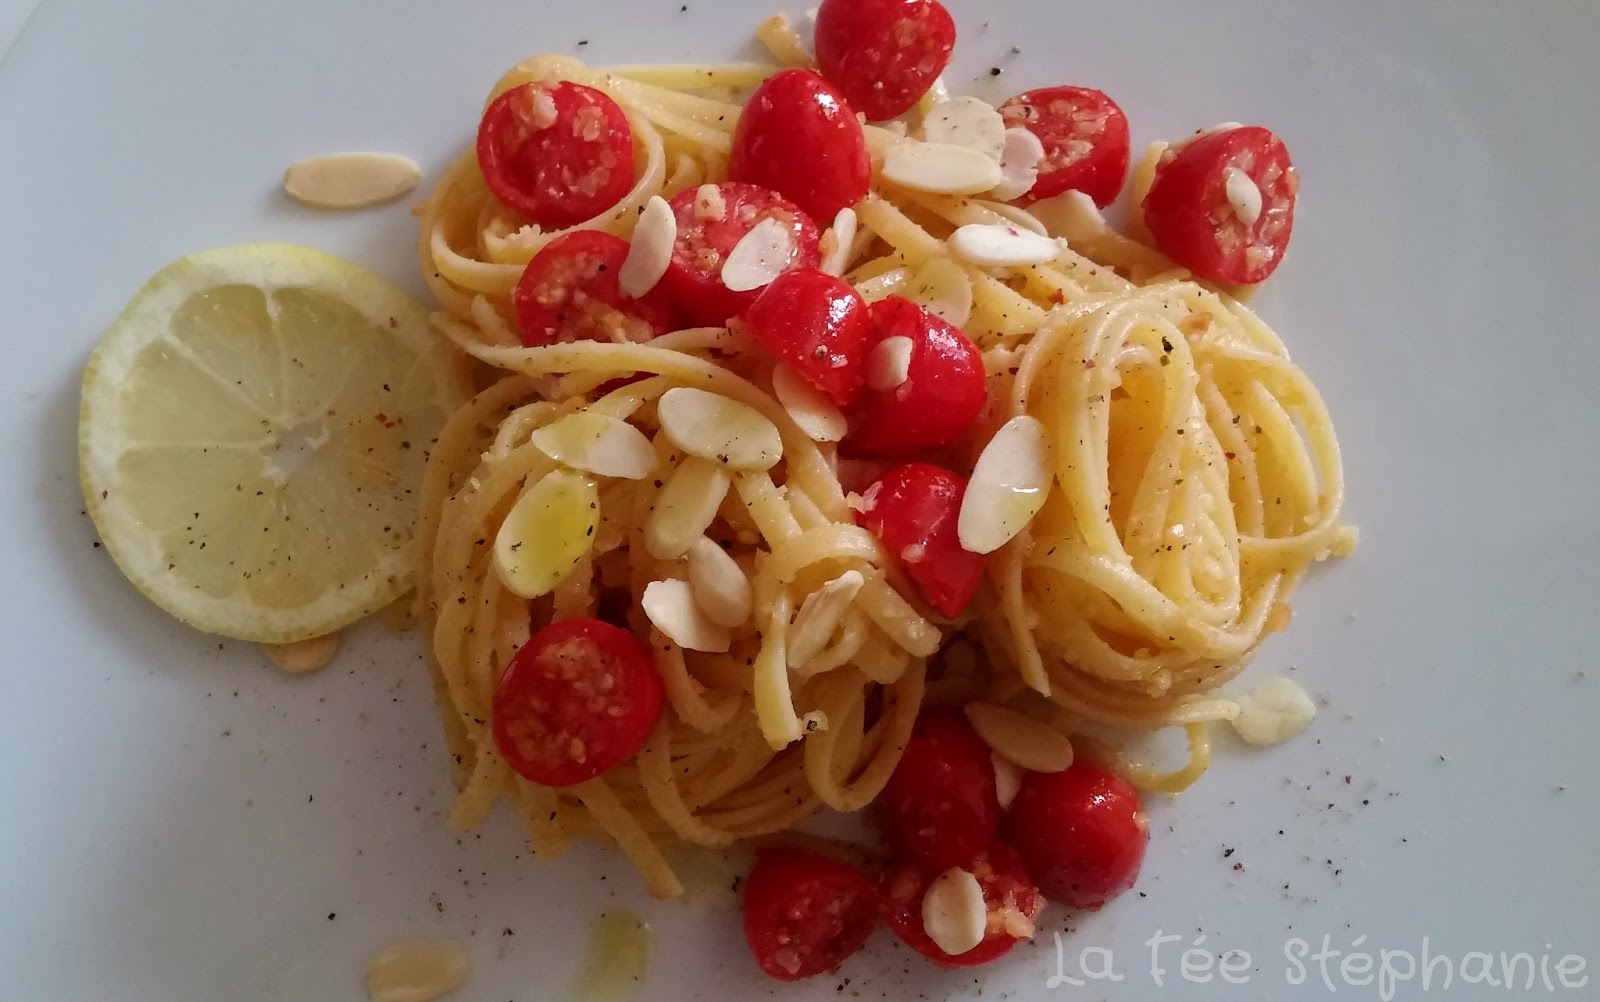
(709, 228)
(1194, 221)
(883, 54)
(818, 325)
(943, 392)
(805, 913)
(579, 698)
(1013, 904)
(1085, 138)
(558, 152)
(798, 136)
(940, 808)
(1082, 834)
(914, 509)
(569, 292)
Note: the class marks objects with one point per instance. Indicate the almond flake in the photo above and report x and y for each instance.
(416, 971)
(548, 530)
(819, 616)
(1007, 779)
(1274, 711)
(1019, 165)
(597, 443)
(1199, 134)
(843, 234)
(940, 168)
(812, 411)
(1008, 485)
(351, 180)
(993, 244)
(760, 256)
(719, 585)
(714, 427)
(1071, 215)
(954, 914)
(1021, 739)
(650, 250)
(685, 508)
(670, 607)
(966, 121)
(1243, 194)
(709, 204)
(942, 288)
(889, 363)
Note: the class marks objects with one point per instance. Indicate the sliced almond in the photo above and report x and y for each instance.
(843, 234)
(1021, 739)
(714, 427)
(685, 508)
(1007, 779)
(351, 180)
(940, 168)
(1071, 215)
(889, 363)
(819, 616)
(649, 250)
(1244, 195)
(416, 971)
(760, 256)
(546, 533)
(966, 121)
(1201, 134)
(813, 411)
(670, 607)
(994, 244)
(1008, 485)
(304, 655)
(1274, 711)
(709, 204)
(943, 289)
(1019, 164)
(597, 443)
(954, 914)
(719, 585)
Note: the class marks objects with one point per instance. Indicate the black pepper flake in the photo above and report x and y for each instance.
(1165, 344)
(995, 71)
(331, 916)
(1226, 853)
(582, 42)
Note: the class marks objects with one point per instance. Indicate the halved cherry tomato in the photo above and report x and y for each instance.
(707, 233)
(818, 325)
(1085, 140)
(942, 394)
(569, 292)
(940, 808)
(1193, 220)
(559, 153)
(1082, 833)
(913, 509)
(805, 914)
(577, 699)
(1013, 902)
(799, 137)
(883, 54)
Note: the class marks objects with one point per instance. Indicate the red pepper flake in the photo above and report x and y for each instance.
(385, 420)
(1228, 456)
(1088, 363)
(1058, 297)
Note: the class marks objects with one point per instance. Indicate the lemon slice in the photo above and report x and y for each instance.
(252, 437)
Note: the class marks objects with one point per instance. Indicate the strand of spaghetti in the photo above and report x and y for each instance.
(656, 774)
(905, 699)
(1006, 570)
(774, 703)
(630, 837)
(540, 810)
(489, 776)
(767, 507)
(691, 707)
(738, 76)
(913, 243)
(781, 40)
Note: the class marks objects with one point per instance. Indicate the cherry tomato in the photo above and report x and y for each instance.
(559, 153)
(883, 54)
(805, 913)
(706, 233)
(1082, 833)
(818, 325)
(579, 698)
(1012, 899)
(1085, 140)
(569, 292)
(939, 808)
(1192, 218)
(913, 509)
(799, 137)
(942, 394)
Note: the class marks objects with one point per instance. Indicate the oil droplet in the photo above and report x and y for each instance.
(619, 954)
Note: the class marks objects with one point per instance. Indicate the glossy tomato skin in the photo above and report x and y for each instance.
(883, 54)
(694, 278)
(569, 292)
(559, 153)
(798, 136)
(914, 509)
(818, 325)
(1013, 902)
(940, 808)
(1085, 138)
(579, 698)
(1082, 834)
(1193, 221)
(942, 395)
(805, 913)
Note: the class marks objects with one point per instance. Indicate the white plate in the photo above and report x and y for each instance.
(183, 823)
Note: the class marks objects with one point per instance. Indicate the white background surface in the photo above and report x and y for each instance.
(181, 823)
